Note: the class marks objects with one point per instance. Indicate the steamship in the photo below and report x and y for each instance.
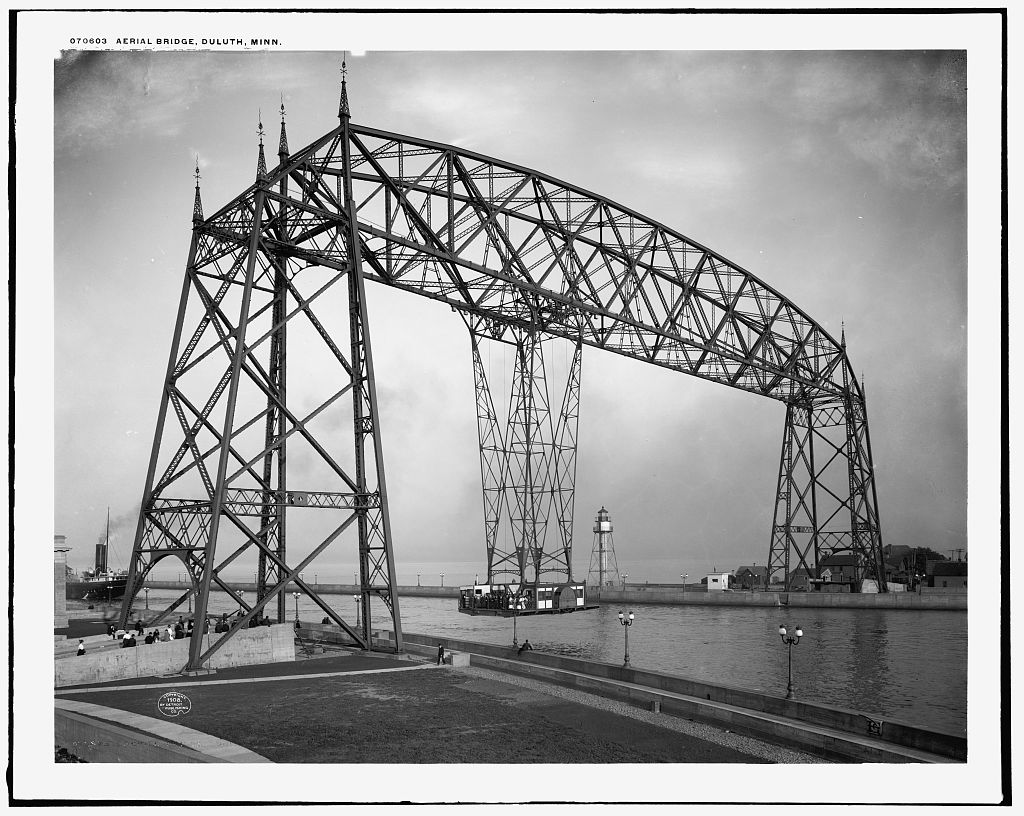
(99, 583)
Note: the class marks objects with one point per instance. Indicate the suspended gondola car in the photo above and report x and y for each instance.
(508, 600)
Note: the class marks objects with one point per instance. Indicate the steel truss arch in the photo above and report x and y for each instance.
(523, 256)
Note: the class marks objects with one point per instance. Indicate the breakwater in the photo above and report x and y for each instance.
(639, 594)
(327, 589)
(679, 596)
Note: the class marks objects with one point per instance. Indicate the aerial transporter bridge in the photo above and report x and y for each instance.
(523, 258)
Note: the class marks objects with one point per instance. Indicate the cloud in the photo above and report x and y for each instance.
(906, 117)
(695, 174)
(105, 97)
(909, 148)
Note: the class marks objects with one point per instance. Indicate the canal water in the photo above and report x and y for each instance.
(907, 665)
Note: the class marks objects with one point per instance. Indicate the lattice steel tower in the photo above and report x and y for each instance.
(604, 567)
(232, 416)
(252, 433)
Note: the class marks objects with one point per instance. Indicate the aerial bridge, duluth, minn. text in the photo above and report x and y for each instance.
(523, 258)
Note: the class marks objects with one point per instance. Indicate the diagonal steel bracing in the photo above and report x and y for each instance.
(524, 257)
(527, 466)
(225, 493)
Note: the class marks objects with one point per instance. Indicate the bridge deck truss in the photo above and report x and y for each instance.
(523, 256)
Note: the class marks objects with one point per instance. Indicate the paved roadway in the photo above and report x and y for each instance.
(355, 709)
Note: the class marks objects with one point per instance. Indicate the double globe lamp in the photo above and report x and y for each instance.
(790, 641)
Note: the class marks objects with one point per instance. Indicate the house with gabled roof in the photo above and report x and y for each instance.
(752, 577)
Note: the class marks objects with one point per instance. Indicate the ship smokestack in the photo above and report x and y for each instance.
(101, 549)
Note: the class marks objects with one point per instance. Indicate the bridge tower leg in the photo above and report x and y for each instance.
(825, 502)
(527, 466)
(218, 498)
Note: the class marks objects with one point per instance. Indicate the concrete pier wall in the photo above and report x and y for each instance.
(662, 594)
(793, 600)
(905, 734)
(330, 589)
(101, 662)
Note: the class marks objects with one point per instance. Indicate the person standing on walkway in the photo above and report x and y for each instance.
(81, 648)
(440, 654)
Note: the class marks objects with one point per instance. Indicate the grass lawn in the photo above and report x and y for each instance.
(428, 716)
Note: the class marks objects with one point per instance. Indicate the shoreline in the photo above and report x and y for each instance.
(935, 600)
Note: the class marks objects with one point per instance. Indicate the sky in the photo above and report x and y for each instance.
(839, 178)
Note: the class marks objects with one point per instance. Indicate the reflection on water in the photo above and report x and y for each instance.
(903, 664)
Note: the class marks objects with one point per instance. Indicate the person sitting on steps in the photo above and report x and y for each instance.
(526, 647)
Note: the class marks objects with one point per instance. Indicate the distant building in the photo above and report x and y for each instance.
(900, 565)
(60, 577)
(799, 580)
(950, 575)
(753, 577)
(718, 581)
(844, 567)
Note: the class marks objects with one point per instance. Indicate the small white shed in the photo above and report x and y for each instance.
(717, 581)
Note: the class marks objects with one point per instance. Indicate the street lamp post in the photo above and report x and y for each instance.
(790, 641)
(515, 614)
(624, 579)
(357, 598)
(146, 590)
(626, 622)
(417, 579)
(295, 595)
(442, 579)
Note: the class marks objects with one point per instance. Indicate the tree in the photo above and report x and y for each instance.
(922, 555)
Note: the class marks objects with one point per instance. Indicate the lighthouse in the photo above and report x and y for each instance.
(604, 569)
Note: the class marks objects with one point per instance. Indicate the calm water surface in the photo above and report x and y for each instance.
(902, 664)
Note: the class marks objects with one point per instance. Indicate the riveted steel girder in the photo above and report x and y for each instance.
(523, 256)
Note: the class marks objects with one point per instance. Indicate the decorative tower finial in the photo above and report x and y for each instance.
(282, 146)
(197, 208)
(343, 111)
(261, 162)
(842, 335)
